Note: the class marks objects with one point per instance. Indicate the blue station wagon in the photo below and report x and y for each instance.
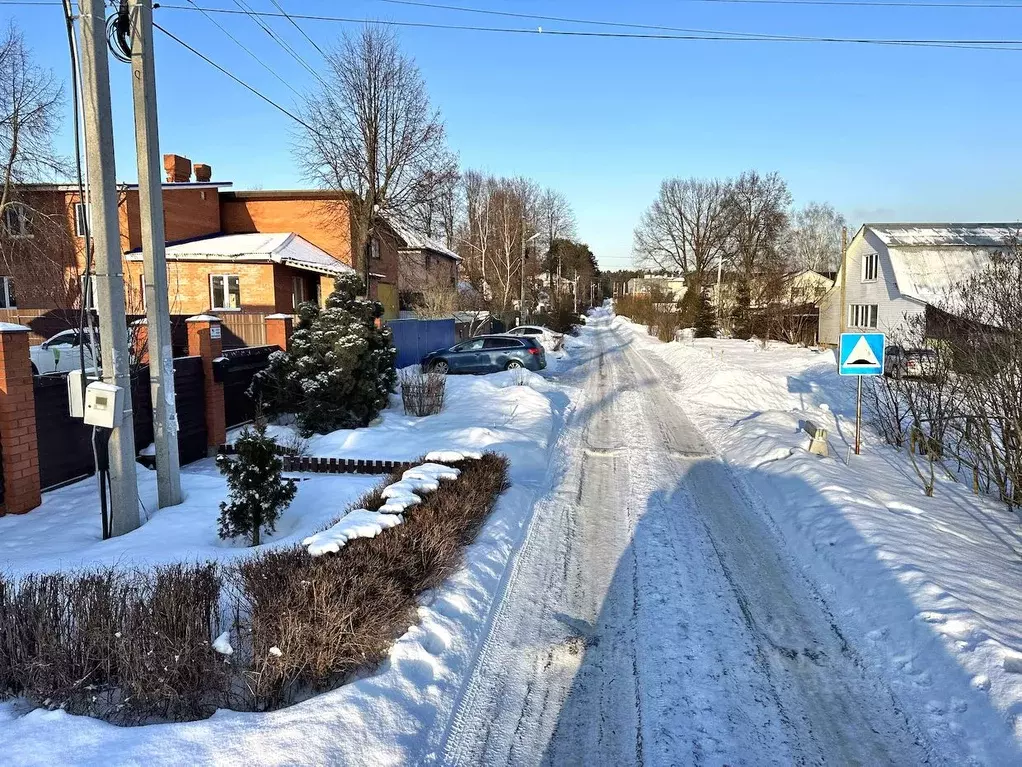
(487, 354)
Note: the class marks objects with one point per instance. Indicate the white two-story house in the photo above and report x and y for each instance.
(895, 270)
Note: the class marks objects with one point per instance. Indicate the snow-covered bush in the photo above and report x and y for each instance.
(339, 371)
(258, 491)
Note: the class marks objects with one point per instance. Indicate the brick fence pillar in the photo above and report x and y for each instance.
(17, 422)
(204, 341)
(278, 330)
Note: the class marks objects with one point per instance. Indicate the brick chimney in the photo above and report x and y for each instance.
(203, 173)
(179, 169)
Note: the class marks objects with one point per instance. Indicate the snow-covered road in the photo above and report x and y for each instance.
(652, 617)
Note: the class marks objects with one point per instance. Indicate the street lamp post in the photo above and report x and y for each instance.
(525, 241)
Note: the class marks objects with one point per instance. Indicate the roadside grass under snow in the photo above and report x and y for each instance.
(931, 588)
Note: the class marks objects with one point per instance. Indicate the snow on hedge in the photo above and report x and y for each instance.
(399, 496)
(360, 523)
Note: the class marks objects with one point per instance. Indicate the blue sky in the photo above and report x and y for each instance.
(880, 132)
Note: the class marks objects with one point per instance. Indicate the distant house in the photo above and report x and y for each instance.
(670, 285)
(423, 262)
(894, 271)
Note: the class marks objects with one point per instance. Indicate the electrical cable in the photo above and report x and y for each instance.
(296, 26)
(241, 45)
(256, 16)
(238, 80)
(707, 35)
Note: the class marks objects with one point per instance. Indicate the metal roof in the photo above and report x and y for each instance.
(285, 248)
(416, 240)
(945, 235)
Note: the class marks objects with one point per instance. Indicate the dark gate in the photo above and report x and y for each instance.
(243, 364)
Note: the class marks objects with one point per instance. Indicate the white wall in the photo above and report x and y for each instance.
(892, 307)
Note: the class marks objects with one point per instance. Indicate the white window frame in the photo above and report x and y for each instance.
(141, 290)
(87, 284)
(227, 291)
(863, 315)
(7, 297)
(82, 215)
(374, 249)
(870, 267)
(21, 212)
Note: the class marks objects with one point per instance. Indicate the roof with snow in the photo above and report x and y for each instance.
(928, 259)
(416, 240)
(285, 248)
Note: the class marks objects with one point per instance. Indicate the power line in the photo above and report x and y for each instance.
(296, 26)
(708, 35)
(256, 17)
(862, 3)
(236, 79)
(243, 47)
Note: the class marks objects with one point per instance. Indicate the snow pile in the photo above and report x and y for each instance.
(222, 644)
(355, 524)
(928, 588)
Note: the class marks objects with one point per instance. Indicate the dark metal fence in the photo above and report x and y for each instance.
(65, 443)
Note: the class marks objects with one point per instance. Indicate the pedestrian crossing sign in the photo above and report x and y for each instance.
(861, 354)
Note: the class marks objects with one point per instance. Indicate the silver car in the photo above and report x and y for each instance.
(909, 363)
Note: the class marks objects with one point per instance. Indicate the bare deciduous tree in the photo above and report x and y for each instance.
(686, 228)
(373, 132)
(30, 103)
(814, 240)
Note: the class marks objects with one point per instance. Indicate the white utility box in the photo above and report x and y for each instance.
(104, 404)
(75, 398)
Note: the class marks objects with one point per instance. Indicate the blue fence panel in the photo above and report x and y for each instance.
(414, 339)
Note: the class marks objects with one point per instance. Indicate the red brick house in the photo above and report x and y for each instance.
(260, 251)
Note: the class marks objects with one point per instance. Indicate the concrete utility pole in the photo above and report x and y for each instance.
(109, 298)
(843, 316)
(157, 301)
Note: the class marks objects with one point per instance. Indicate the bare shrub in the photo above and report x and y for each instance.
(336, 615)
(422, 393)
(128, 647)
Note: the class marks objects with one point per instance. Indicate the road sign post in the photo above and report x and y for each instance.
(860, 355)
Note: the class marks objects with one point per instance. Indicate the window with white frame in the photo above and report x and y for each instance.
(88, 288)
(7, 300)
(374, 248)
(862, 315)
(16, 220)
(224, 291)
(83, 221)
(870, 267)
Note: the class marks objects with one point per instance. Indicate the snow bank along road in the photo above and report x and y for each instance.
(651, 617)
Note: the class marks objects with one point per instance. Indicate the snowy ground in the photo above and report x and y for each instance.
(928, 589)
(379, 719)
(670, 580)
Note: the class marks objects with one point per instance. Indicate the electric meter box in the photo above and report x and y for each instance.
(104, 404)
(75, 399)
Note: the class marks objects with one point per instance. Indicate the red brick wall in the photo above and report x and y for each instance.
(17, 425)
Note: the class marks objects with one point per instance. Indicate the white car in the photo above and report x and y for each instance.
(551, 340)
(61, 353)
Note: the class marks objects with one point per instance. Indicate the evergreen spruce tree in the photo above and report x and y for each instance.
(339, 371)
(258, 491)
(743, 310)
(706, 318)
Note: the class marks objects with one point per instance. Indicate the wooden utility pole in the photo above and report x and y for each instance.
(157, 302)
(109, 298)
